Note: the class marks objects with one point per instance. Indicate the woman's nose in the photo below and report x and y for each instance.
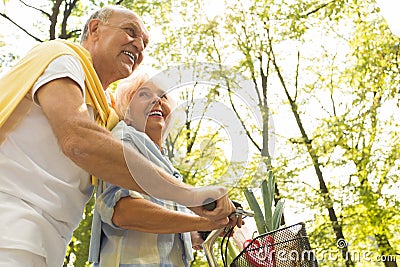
(155, 100)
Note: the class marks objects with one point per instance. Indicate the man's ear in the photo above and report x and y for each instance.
(93, 29)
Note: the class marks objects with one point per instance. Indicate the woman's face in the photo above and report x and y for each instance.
(149, 109)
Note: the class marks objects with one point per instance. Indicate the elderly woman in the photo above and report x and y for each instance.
(138, 230)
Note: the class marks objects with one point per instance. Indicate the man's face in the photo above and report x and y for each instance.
(118, 45)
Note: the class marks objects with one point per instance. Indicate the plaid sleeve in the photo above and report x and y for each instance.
(106, 202)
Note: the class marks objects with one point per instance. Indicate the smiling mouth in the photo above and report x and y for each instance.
(130, 55)
(157, 113)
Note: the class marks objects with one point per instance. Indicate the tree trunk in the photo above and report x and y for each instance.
(337, 228)
(388, 255)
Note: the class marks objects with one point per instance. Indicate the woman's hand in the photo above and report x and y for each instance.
(197, 241)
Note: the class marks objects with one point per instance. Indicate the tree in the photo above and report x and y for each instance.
(256, 33)
(57, 17)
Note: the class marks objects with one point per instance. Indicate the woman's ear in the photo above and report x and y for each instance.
(128, 117)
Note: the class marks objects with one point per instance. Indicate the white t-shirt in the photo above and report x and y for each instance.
(42, 192)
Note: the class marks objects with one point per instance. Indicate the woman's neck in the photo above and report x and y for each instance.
(156, 138)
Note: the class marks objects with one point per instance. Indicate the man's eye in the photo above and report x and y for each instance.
(130, 32)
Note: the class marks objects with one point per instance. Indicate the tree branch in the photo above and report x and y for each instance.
(230, 96)
(317, 9)
(67, 12)
(20, 27)
(38, 9)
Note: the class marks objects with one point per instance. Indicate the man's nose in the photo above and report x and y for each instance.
(139, 44)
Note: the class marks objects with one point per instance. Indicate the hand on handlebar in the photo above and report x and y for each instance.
(196, 240)
(223, 205)
(235, 219)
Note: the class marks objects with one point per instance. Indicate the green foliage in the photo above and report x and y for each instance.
(78, 249)
(5, 60)
(255, 207)
(270, 220)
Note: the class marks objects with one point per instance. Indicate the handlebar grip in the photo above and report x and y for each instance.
(204, 234)
(210, 204)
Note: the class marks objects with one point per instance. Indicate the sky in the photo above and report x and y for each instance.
(17, 42)
(390, 11)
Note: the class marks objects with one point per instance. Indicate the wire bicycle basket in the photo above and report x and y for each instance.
(285, 247)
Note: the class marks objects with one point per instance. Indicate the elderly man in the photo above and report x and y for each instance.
(54, 117)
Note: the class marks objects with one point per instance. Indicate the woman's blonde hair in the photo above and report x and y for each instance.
(126, 89)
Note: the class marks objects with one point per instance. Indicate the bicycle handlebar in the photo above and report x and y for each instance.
(210, 204)
(208, 246)
(210, 237)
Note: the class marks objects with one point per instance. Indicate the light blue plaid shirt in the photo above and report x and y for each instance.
(111, 246)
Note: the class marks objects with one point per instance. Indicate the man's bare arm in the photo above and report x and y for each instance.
(97, 151)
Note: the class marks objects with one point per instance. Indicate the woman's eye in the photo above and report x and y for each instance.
(145, 94)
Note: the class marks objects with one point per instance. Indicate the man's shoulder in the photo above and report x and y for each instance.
(58, 47)
(54, 46)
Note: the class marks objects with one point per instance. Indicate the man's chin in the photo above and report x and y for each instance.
(126, 72)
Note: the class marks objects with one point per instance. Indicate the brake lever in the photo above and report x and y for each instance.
(239, 211)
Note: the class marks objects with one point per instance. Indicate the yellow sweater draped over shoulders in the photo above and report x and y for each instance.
(20, 79)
